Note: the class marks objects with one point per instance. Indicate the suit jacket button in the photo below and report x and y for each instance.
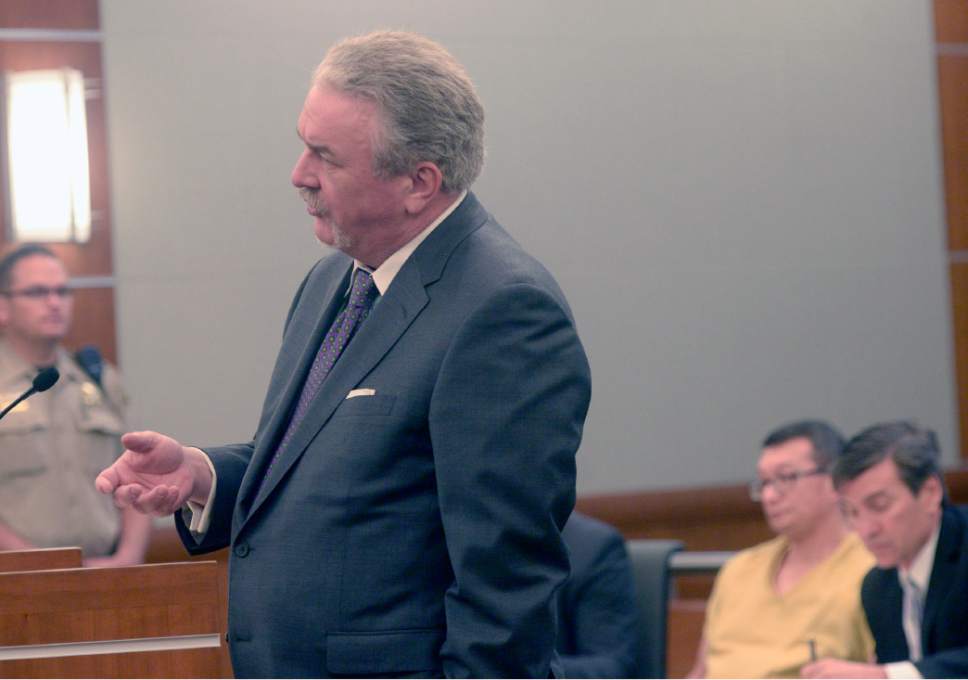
(241, 550)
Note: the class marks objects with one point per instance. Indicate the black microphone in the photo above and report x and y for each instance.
(42, 381)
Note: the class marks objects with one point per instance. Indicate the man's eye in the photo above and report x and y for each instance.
(880, 504)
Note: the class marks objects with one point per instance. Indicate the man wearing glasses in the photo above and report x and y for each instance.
(53, 445)
(781, 604)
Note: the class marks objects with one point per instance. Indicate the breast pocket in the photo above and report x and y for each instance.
(366, 405)
(22, 433)
(99, 441)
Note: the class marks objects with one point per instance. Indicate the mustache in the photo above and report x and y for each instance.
(313, 200)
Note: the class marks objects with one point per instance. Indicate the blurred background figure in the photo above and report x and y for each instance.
(916, 599)
(598, 617)
(53, 445)
(779, 605)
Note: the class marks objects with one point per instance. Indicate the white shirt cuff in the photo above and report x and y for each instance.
(201, 515)
(902, 669)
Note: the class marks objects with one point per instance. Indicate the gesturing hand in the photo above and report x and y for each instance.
(154, 474)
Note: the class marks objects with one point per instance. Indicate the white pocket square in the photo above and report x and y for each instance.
(361, 392)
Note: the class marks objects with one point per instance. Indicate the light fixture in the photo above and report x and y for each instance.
(48, 179)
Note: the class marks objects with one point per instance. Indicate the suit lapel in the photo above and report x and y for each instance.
(266, 445)
(389, 319)
(887, 622)
(943, 575)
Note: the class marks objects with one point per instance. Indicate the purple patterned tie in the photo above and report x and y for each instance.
(362, 295)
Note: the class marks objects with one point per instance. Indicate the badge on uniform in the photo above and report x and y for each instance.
(90, 394)
(19, 408)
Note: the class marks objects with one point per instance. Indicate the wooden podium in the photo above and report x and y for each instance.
(58, 620)
(42, 558)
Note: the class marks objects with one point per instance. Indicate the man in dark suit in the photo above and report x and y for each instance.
(598, 617)
(916, 598)
(399, 509)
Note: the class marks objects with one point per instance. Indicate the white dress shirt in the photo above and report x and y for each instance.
(912, 614)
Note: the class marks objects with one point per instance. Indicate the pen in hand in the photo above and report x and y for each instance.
(813, 649)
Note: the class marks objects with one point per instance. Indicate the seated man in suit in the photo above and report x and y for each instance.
(598, 618)
(916, 598)
(775, 605)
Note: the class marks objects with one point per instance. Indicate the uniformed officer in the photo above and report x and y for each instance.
(55, 443)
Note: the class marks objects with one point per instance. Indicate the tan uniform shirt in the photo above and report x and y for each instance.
(52, 447)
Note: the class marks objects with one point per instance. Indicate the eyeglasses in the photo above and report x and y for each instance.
(782, 482)
(40, 292)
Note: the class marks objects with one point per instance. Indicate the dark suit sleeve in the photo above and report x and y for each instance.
(602, 616)
(948, 600)
(880, 596)
(951, 663)
(506, 417)
(230, 464)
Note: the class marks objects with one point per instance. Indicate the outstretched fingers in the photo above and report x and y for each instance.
(127, 495)
(161, 500)
(107, 481)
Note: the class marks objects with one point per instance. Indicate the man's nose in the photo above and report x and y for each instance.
(865, 527)
(301, 177)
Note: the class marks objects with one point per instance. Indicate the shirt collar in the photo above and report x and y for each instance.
(923, 562)
(14, 368)
(384, 274)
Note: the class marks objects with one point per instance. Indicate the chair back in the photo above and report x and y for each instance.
(650, 569)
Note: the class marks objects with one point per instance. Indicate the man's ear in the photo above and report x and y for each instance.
(931, 492)
(426, 181)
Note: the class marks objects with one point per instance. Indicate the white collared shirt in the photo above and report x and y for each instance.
(383, 276)
(919, 572)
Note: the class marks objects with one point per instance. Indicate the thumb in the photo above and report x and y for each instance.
(141, 442)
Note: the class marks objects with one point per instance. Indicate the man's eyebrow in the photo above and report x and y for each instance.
(877, 495)
(322, 148)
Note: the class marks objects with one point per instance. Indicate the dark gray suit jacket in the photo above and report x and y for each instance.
(417, 530)
(598, 616)
(944, 630)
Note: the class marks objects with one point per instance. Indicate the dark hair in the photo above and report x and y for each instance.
(10, 260)
(826, 441)
(913, 449)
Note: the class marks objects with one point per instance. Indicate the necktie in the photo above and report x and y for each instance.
(361, 298)
(913, 613)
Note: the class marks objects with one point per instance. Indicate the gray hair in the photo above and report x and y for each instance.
(427, 103)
